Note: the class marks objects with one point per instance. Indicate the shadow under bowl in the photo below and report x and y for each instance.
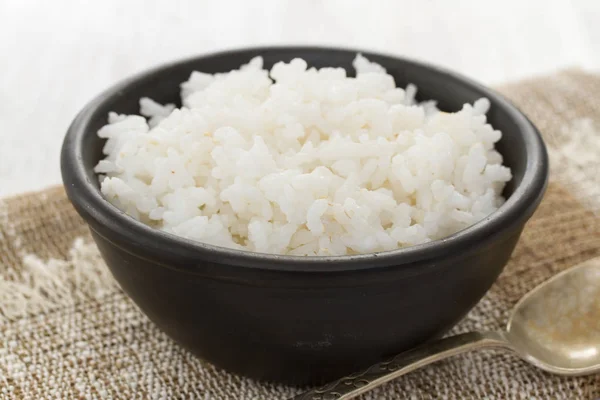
(303, 320)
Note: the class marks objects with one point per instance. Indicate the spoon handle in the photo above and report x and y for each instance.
(353, 385)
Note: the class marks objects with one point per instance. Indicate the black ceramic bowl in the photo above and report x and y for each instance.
(303, 319)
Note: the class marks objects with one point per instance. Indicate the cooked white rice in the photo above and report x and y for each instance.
(303, 161)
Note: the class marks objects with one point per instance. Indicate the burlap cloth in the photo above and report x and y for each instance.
(67, 331)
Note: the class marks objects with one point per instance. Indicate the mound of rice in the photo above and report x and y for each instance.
(303, 161)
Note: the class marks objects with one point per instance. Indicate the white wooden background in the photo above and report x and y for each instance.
(57, 54)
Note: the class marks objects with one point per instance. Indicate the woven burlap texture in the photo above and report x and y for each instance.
(68, 332)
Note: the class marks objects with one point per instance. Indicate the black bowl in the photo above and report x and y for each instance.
(303, 319)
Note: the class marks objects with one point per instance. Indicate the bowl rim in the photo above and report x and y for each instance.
(156, 245)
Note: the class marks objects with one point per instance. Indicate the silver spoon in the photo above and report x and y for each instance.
(555, 327)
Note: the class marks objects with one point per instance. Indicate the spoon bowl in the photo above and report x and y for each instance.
(555, 327)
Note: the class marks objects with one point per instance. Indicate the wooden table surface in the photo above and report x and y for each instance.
(56, 55)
